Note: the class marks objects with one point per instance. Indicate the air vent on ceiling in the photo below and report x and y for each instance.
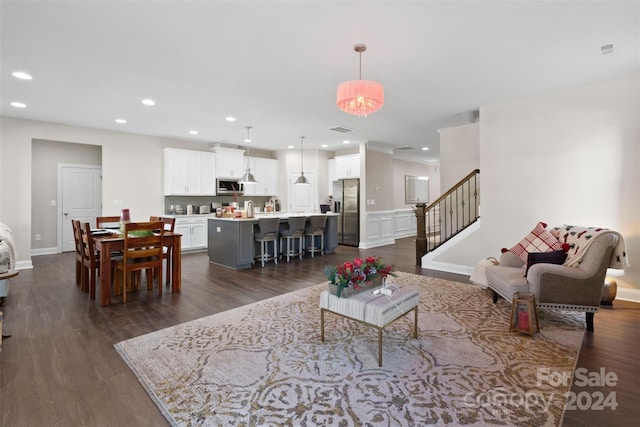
(341, 129)
(405, 148)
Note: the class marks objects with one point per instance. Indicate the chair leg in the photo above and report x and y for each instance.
(589, 320)
(124, 285)
(92, 284)
(275, 251)
(168, 270)
(301, 248)
(78, 273)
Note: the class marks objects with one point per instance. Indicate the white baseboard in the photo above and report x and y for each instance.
(377, 243)
(450, 268)
(626, 294)
(24, 265)
(44, 251)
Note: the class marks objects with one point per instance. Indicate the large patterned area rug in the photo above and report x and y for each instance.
(264, 364)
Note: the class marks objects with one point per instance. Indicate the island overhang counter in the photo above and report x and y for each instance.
(231, 240)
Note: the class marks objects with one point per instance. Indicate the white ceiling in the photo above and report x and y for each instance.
(275, 65)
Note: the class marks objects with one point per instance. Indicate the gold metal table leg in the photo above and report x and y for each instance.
(380, 347)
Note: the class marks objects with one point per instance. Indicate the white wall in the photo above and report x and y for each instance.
(459, 154)
(567, 157)
(402, 168)
(131, 168)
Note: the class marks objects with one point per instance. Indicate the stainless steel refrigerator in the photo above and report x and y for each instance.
(346, 203)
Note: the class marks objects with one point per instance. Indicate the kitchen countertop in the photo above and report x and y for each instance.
(281, 215)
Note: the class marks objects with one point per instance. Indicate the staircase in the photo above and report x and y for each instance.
(451, 213)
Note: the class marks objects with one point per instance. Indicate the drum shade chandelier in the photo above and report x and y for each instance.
(360, 97)
(248, 178)
(302, 180)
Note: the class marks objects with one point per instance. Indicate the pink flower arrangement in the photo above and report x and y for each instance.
(357, 273)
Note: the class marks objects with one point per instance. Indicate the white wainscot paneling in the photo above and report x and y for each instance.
(380, 229)
(384, 227)
(405, 223)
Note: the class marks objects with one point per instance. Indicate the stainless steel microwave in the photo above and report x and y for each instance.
(229, 186)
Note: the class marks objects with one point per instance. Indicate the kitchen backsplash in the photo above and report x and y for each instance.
(207, 200)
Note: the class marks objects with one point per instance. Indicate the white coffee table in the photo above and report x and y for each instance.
(373, 310)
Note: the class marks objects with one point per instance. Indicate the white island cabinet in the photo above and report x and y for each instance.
(189, 172)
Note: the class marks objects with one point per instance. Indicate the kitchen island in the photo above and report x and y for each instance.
(231, 240)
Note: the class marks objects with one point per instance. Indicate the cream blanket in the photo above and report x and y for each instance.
(580, 238)
(7, 249)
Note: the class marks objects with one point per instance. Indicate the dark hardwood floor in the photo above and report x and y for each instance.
(60, 368)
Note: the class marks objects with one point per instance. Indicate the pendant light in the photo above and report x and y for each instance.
(302, 180)
(248, 178)
(360, 97)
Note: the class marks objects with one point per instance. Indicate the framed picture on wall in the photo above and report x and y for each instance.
(416, 189)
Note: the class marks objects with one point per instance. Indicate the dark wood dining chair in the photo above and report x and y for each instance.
(169, 225)
(90, 265)
(77, 238)
(107, 222)
(143, 250)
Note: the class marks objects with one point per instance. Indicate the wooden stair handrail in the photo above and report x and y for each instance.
(424, 212)
(454, 188)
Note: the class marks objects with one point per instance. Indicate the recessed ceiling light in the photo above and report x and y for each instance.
(324, 145)
(193, 132)
(425, 148)
(230, 119)
(19, 105)
(346, 142)
(22, 75)
(290, 146)
(149, 102)
(121, 121)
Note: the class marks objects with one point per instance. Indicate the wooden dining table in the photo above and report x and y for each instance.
(107, 244)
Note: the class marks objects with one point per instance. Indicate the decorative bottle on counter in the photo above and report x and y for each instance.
(124, 218)
(250, 213)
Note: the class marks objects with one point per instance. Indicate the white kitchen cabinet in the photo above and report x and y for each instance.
(348, 166)
(230, 163)
(188, 172)
(266, 173)
(194, 232)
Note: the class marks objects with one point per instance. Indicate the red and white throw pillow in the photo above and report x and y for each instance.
(538, 240)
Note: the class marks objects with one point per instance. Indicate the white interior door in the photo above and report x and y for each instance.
(81, 195)
(302, 198)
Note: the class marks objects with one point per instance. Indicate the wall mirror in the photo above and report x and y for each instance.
(416, 189)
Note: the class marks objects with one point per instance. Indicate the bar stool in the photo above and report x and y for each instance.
(267, 232)
(315, 229)
(290, 235)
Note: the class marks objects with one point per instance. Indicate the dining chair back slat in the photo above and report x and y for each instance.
(89, 261)
(169, 225)
(77, 239)
(107, 222)
(143, 248)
